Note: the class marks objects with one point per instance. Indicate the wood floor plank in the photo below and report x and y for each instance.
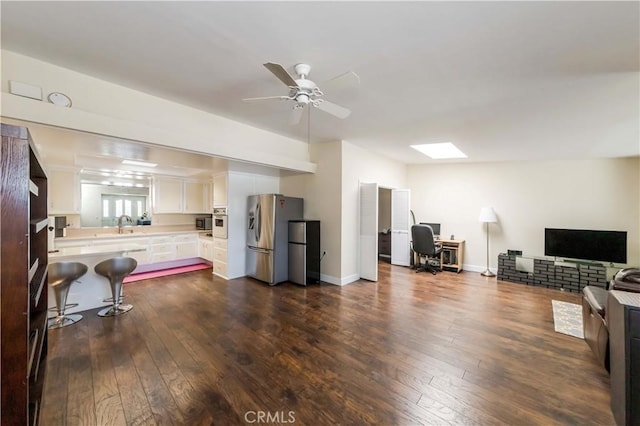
(135, 404)
(80, 407)
(191, 409)
(108, 404)
(200, 384)
(410, 349)
(55, 394)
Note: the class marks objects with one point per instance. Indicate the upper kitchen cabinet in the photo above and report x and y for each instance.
(220, 190)
(197, 196)
(64, 191)
(176, 195)
(168, 195)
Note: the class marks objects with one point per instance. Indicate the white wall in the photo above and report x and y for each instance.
(108, 109)
(527, 197)
(332, 196)
(360, 165)
(322, 201)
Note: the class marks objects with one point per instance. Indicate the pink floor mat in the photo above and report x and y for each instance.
(165, 272)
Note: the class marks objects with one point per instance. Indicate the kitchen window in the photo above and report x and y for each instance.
(114, 206)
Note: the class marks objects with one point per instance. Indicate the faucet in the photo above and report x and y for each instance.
(124, 216)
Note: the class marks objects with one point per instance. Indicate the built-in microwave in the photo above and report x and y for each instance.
(203, 222)
(220, 222)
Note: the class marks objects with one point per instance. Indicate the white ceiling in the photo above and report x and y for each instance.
(501, 80)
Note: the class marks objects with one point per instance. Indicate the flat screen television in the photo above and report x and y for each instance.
(604, 246)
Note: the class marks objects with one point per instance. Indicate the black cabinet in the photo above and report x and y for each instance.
(623, 316)
(304, 251)
(384, 243)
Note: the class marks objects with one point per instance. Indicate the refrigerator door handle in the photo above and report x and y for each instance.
(259, 250)
(259, 222)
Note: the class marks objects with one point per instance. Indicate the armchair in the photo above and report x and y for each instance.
(594, 314)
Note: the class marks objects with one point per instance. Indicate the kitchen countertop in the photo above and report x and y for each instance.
(125, 235)
(86, 251)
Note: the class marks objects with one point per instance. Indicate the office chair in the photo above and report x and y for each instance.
(424, 245)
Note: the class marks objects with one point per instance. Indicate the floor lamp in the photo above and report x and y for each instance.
(487, 216)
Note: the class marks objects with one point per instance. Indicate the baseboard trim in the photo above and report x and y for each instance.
(476, 268)
(339, 281)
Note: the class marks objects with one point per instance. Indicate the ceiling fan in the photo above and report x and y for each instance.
(305, 92)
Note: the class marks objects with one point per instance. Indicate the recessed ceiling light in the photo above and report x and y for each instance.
(139, 163)
(440, 151)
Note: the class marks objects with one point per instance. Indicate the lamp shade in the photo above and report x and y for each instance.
(487, 215)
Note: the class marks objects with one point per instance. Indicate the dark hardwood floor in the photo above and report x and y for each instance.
(410, 349)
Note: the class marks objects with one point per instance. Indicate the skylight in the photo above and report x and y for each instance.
(139, 163)
(440, 151)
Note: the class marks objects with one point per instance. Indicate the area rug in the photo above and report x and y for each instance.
(165, 272)
(567, 318)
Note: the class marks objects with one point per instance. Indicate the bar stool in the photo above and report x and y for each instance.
(61, 276)
(115, 270)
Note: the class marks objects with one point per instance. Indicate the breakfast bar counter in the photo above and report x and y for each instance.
(91, 289)
(152, 250)
(67, 253)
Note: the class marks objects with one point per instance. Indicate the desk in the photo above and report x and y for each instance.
(452, 254)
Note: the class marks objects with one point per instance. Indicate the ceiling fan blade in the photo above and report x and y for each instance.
(264, 98)
(279, 71)
(296, 115)
(348, 79)
(333, 109)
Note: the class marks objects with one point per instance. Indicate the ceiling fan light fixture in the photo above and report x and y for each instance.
(303, 91)
(440, 151)
(302, 70)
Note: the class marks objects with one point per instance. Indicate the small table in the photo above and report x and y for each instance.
(452, 254)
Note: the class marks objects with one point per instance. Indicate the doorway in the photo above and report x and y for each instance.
(370, 228)
(384, 224)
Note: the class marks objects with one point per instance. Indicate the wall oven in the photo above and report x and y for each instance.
(219, 222)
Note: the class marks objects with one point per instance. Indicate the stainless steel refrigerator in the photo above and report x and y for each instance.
(304, 251)
(267, 235)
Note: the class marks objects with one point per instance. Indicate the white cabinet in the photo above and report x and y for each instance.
(186, 246)
(162, 249)
(220, 190)
(168, 194)
(64, 191)
(220, 257)
(196, 197)
(209, 196)
(205, 249)
(175, 195)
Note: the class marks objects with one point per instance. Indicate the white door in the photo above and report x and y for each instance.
(400, 227)
(369, 231)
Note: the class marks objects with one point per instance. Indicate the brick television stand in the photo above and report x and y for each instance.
(550, 274)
